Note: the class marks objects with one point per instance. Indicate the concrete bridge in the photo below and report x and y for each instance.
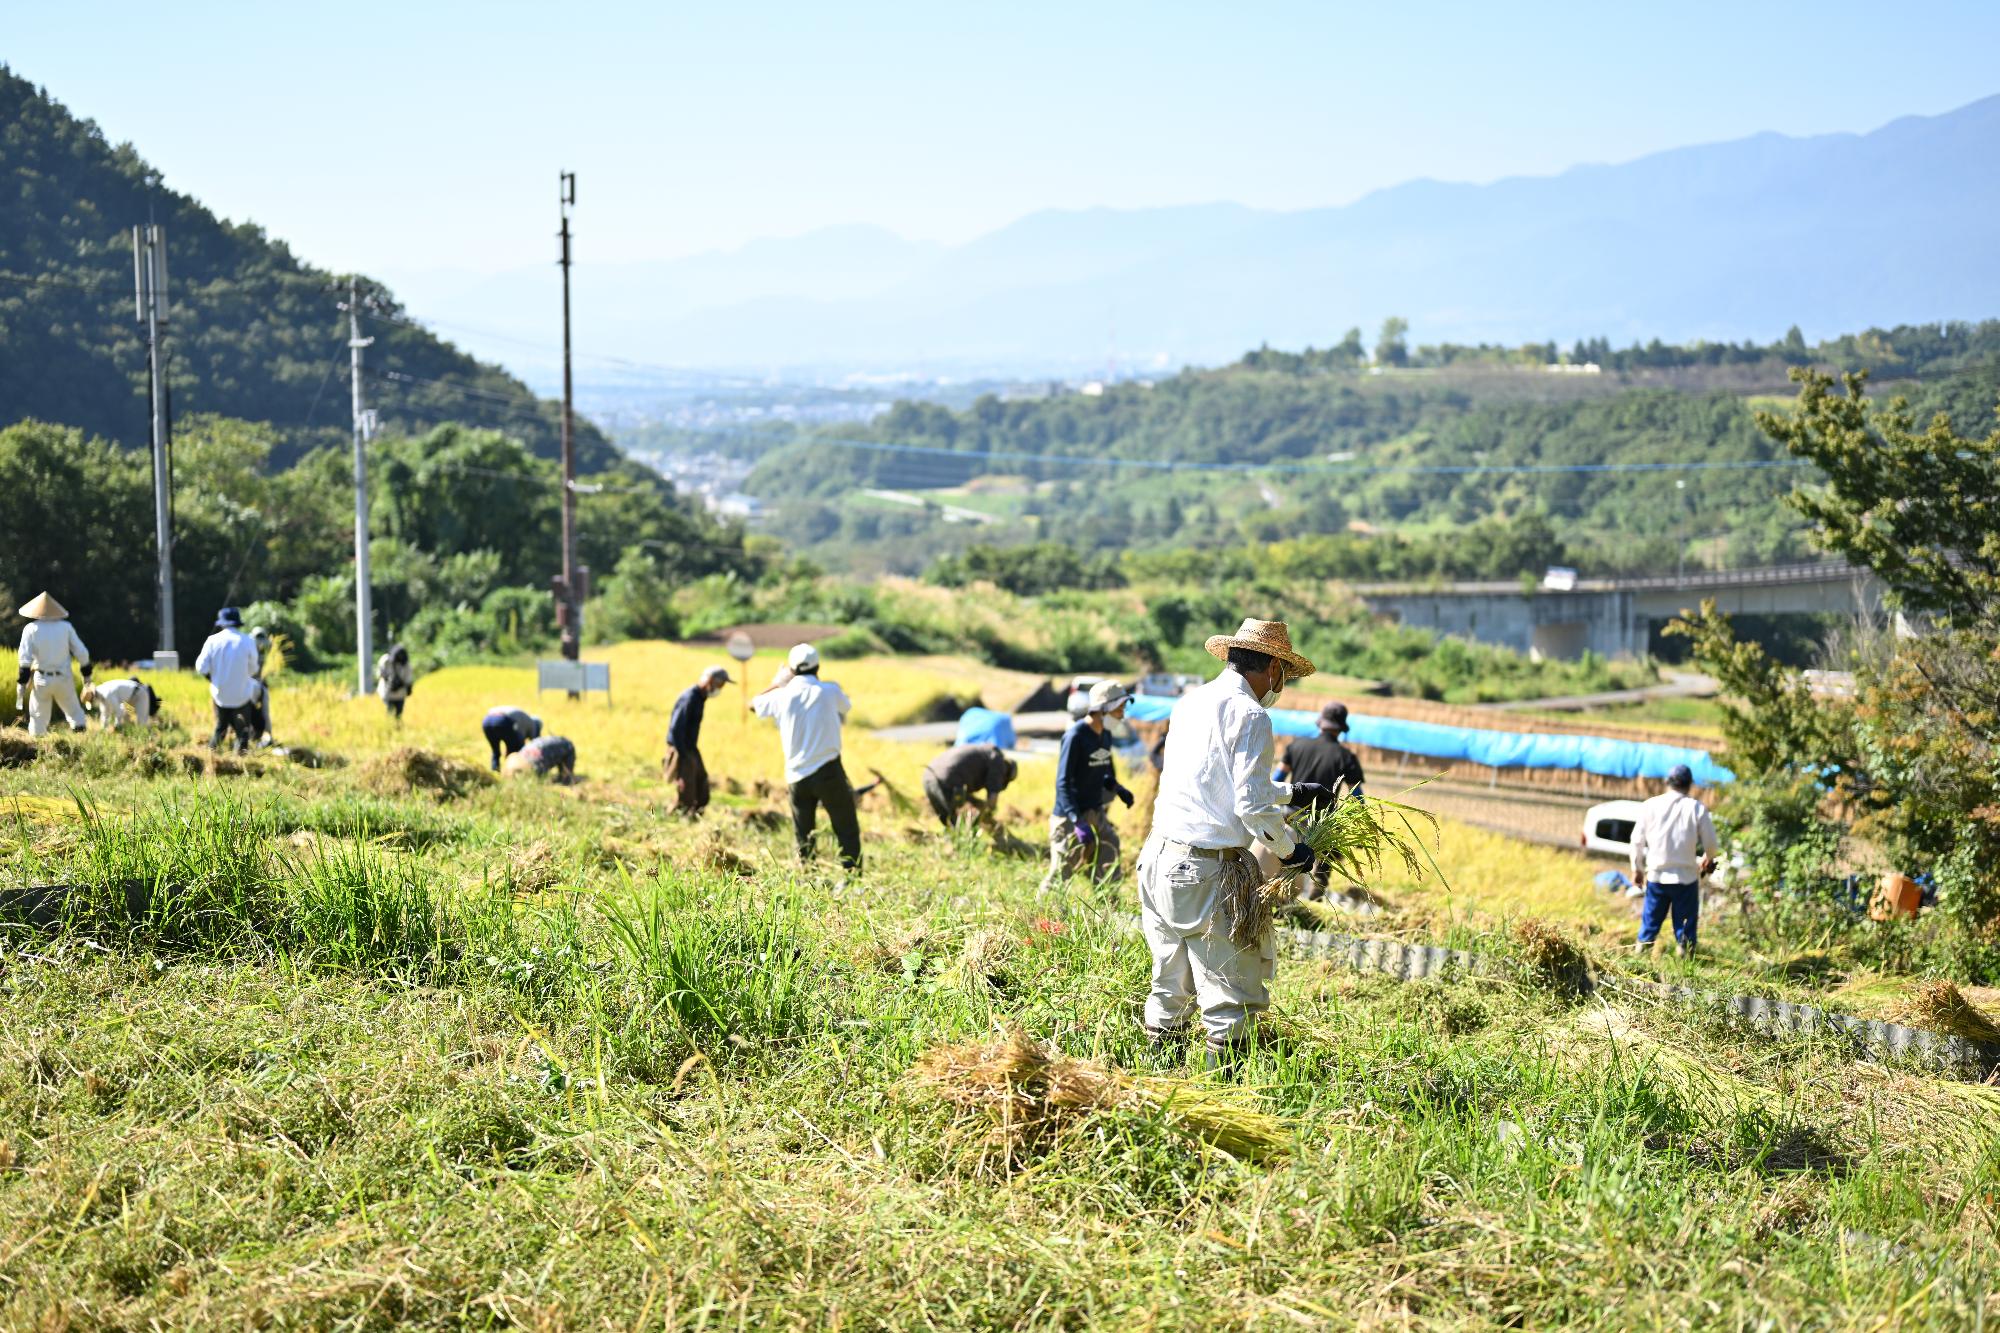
(1619, 616)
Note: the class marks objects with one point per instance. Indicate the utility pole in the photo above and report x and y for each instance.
(1681, 546)
(364, 615)
(149, 280)
(569, 609)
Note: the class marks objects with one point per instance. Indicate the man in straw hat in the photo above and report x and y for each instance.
(47, 646)
(1080, 830)
(1209, 930)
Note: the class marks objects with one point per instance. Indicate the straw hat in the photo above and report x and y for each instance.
(1269, 637)
(44, 607)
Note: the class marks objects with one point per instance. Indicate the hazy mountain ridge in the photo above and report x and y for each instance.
(1722, 241)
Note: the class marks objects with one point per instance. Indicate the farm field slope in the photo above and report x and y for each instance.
(394, 1046)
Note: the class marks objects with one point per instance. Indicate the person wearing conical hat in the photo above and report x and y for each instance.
(1214, 949)
(48, 646)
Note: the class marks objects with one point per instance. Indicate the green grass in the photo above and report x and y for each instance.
(523, 1060)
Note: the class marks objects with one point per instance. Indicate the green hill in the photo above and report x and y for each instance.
(255, 334)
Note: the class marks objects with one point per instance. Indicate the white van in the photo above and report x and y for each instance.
(1607, 828)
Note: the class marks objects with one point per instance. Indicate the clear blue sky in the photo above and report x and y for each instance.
(394, 138)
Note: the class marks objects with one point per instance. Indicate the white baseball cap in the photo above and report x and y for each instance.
(803, 657)
(1106, 695)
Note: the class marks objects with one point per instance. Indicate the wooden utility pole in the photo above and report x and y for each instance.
(569, 606)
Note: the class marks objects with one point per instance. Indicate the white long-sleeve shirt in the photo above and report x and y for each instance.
(808, 712)
(48, 645)
(1215, 783)
(229, 660)
(1671, 836)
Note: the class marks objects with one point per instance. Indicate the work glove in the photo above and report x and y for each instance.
(88, 667)
(1310, 793)
(1124, 796)
(1299, 858)
(1083, 834)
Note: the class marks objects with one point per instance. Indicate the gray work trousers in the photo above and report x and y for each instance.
(1195, 962)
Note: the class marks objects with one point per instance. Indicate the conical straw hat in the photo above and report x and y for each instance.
(44, 607)
(1269, 637)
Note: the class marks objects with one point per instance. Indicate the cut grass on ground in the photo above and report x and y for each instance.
(524, 1057)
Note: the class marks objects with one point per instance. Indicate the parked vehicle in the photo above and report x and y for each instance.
(1607, 828)
(1166, 684)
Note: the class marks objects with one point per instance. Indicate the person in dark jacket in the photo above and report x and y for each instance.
(1322, 759)
(683, 766)
(951, 779)
(1080, 831)
(1325, 762)
(508, 729)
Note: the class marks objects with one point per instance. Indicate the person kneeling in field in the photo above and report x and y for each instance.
(111, 699)
(1080, 831)
(683, 766)
(1203, 918)
(508, 729)
(545, 756)
(951, 779)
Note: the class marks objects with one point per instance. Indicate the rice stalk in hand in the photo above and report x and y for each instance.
(1031, 1089)
(1354, 837)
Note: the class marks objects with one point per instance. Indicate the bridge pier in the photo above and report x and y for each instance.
(1614, 617)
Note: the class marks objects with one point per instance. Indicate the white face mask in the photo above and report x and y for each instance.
(1270, 697)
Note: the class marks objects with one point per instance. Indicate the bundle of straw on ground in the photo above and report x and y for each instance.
(1551, 958)
(408, 770)
(984, 961)
(1939, 1007)
(1031, 1090)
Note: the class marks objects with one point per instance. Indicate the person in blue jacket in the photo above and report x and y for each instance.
(1080, 832)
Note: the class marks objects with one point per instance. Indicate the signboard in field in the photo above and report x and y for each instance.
(573, 677)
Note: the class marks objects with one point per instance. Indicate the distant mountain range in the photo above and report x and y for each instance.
(1721, 241)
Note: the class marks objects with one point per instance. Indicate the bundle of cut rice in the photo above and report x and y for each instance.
(1031, 1089)
(984, 960)
(1352, 837)
(1552, 958)
(1939, 1007)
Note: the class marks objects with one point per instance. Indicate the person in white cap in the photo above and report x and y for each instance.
(1208, 928)
(1080, 831)
(48, 645)
(683, 766)
(809, 712)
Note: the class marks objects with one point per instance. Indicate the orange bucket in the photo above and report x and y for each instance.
(1897, 895)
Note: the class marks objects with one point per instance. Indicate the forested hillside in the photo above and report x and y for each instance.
(255, 333)
(1626, 470)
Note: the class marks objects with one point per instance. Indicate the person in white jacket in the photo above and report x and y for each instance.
(48, 645)
(111, 698)
(229, 660)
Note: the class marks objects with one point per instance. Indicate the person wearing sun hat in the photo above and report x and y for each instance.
(1080, 829)
(48, 645)
(1211, 937)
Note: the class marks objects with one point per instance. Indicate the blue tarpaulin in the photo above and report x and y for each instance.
(983, 726)
(1496, 749)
